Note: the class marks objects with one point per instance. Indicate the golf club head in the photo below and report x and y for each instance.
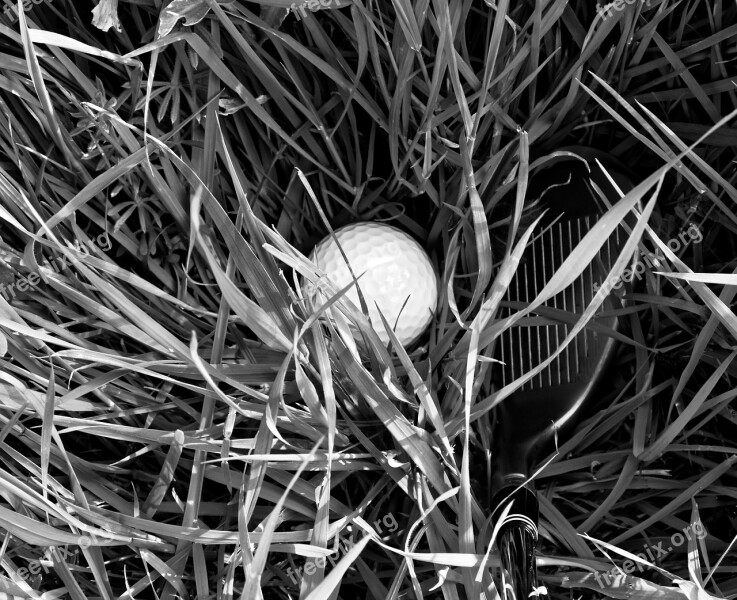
(529, 420)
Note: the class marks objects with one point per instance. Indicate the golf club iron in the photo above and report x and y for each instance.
(528, 421)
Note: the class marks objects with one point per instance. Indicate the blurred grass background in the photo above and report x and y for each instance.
(177, 421)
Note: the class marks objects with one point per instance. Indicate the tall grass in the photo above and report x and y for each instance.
(178, 420)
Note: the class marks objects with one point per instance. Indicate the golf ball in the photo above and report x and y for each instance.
(393, 272)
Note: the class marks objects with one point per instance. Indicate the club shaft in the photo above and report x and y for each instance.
(517, 537)
(519, 569)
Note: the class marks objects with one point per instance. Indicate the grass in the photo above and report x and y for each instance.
(177, 420)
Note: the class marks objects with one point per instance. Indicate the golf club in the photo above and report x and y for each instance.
(528, 421)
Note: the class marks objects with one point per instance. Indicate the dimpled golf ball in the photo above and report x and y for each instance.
(393, 272)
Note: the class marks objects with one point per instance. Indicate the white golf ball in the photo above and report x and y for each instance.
(393, 272)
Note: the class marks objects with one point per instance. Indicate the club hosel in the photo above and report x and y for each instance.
(519, 566)
(512, 459)
(517, 538)
(524, 510)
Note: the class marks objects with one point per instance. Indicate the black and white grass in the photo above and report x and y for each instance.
(177, 393)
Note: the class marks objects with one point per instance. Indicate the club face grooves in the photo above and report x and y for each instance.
(537, 337)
